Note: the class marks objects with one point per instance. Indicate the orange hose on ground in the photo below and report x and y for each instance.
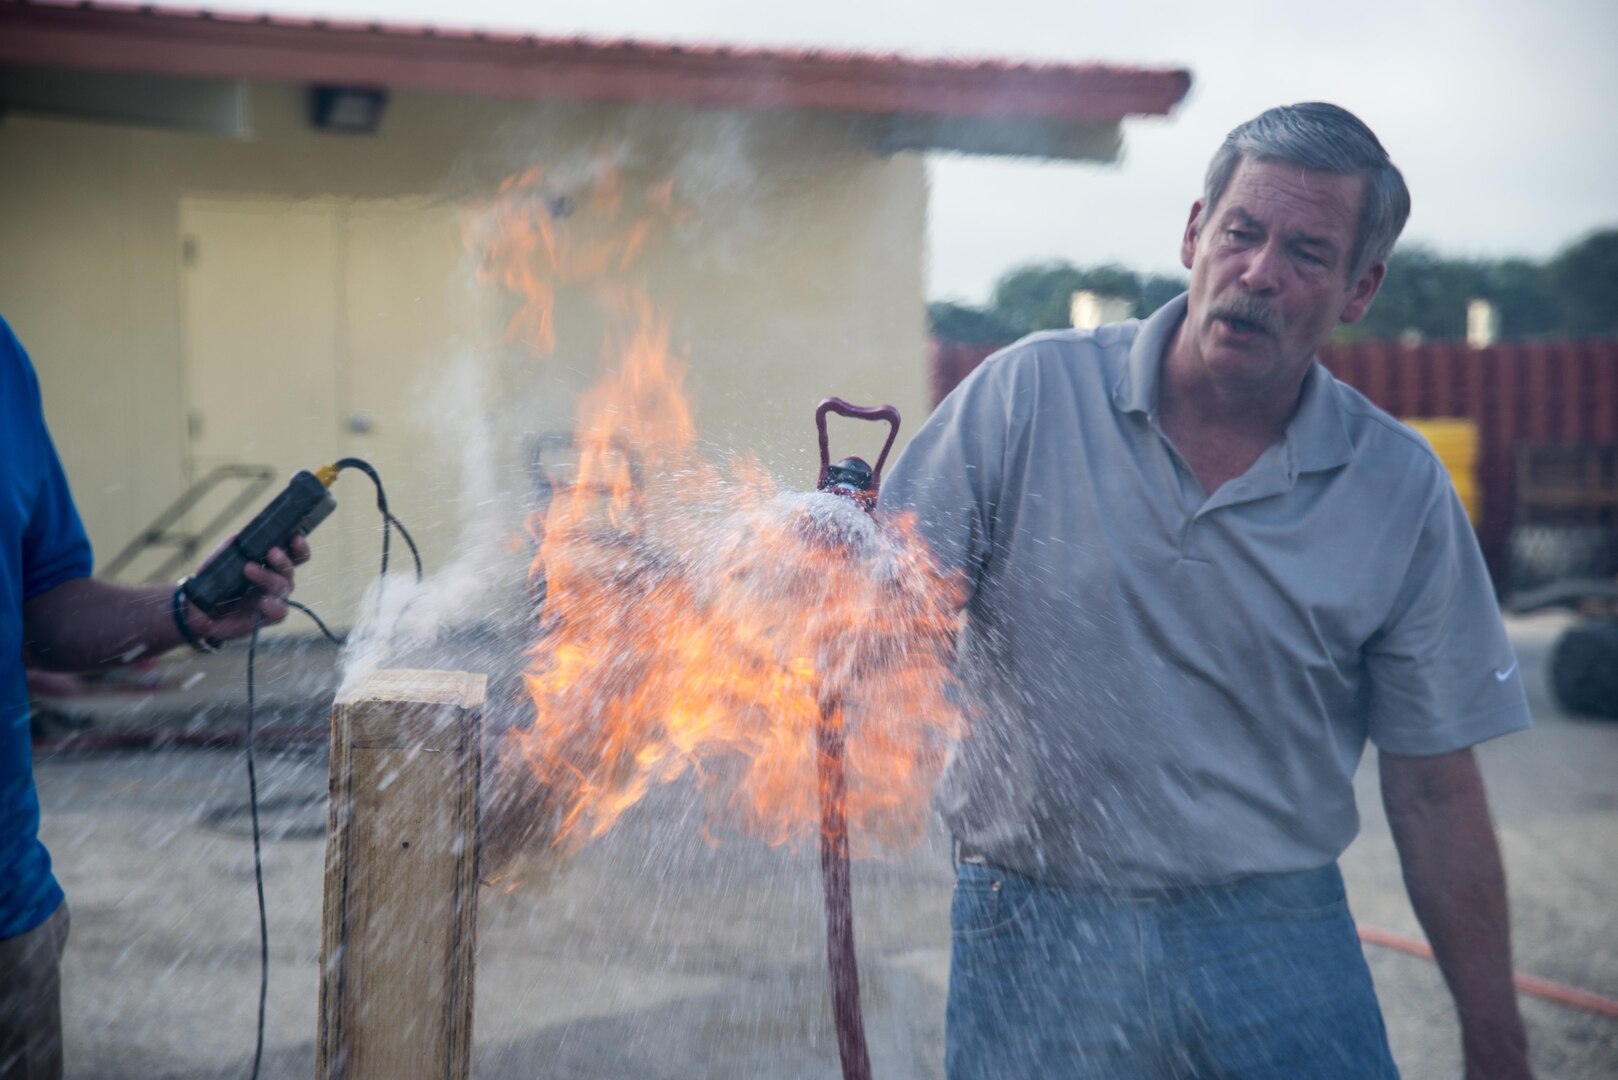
(1531, 985)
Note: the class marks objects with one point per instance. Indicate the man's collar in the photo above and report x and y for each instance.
(1136, 389)
(1317, 435)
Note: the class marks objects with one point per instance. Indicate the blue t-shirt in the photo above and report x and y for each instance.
(42, 544)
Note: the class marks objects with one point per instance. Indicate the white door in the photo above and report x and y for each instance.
(321, 329)
(425, 402)
(261, 315)
(407, 408)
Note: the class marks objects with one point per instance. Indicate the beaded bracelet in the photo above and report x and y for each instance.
(189, 636)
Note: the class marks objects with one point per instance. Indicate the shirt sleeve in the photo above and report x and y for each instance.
(1441, 669)
(55, 547)
(951, 473)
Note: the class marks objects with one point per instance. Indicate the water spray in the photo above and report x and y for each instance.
(302, 505)
(849, 478)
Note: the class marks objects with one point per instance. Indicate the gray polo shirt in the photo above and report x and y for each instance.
(1176, 688)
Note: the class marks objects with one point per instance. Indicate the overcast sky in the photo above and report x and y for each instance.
(1500, 112)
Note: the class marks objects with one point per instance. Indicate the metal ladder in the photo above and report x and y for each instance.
(162, 533)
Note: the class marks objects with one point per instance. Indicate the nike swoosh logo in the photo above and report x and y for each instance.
(1502, 676)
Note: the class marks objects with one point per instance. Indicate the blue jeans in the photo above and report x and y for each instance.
(1263, 977)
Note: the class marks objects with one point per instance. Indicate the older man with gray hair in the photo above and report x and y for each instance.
(1202, 574)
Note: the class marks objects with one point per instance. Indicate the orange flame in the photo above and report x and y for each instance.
(697, 622)
(531, 240)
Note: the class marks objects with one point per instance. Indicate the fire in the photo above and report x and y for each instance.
(697, 622)
(533, 240)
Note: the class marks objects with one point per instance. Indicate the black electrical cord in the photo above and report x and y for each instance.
(388, 521)
(325, 630)
(258, 858)
(409, 543)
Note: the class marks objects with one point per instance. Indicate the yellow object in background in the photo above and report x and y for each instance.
(1456, 442)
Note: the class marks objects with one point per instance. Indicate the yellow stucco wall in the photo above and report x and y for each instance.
(797, 273)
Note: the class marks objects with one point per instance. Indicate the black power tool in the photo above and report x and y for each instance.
(304, 504)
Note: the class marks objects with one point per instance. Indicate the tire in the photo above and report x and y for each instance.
(1584, 669)
(1542, 554)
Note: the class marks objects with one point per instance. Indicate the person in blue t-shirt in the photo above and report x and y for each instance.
(67, 621)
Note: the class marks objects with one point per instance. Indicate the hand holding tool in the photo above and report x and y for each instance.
(304, 503)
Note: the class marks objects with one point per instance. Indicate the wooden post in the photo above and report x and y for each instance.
(400, 918)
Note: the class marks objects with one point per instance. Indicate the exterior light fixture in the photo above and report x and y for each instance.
(347, 110)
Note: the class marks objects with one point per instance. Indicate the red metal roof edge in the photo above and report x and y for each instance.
(105, 34)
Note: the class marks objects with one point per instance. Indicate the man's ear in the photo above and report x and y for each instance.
(1364, 291)
(1188, 242)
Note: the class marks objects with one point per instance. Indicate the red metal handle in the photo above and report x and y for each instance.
(855, 412)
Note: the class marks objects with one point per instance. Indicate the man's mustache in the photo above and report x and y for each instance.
(1249, 309)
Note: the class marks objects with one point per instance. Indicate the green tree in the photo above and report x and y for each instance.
(1526, 298)
(1586, 277)
(961, 322)
(1575, 294)
(1039, 296)
(1423, 292)
(1157, 290)
(1036, 297)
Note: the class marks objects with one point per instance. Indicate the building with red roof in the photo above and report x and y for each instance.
(238, 238)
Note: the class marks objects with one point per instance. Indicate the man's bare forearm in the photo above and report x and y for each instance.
(1439, 814)
(85, 624)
